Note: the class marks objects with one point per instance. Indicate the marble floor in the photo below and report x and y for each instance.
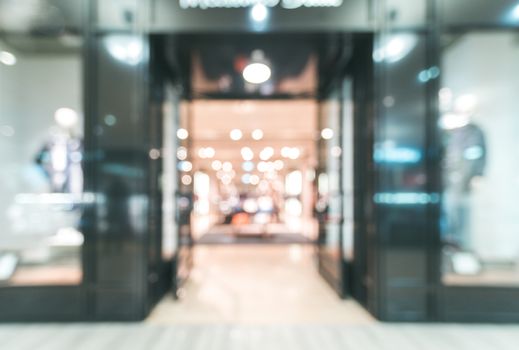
(257, 297)
(257, 284)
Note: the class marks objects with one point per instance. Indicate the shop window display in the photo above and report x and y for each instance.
(478, 100)
(41, 152)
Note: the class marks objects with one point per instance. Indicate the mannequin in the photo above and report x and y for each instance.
(464, 163)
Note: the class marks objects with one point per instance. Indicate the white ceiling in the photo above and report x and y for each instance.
(284, 124)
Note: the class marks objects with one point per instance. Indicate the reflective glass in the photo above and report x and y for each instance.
(479, 124)
(41, 152)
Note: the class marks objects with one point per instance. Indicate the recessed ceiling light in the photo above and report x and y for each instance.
(182, 134)
(256, 73)
(257, 134)
(327, 133)
(236, 134)
(259, 12)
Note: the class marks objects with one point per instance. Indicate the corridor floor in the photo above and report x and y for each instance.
(257, 298)
(257, 284)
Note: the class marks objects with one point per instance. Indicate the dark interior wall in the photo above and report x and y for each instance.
(121, 170)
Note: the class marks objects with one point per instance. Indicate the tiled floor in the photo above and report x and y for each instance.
(258, 297)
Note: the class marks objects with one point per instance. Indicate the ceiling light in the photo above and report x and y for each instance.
(336, 151)
(236, 134)
(227, 166)
(248, 166)
(216, 165)
(205, 153)
(257, 134)
(294, 153)
(266, 153)
(278, 165)
(182, 134)
(182, 153)
(7, 58)
(262, 167)
(256, 73)
(186, 180)
(247, 153)
(245, 179)
(285, 152)
(327, 133)
(66, 117)
(185, 166)
(254, 179)
(259, 12)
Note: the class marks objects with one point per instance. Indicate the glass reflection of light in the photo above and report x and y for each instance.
(429, 74)
(473, 153)
(466, 103)
(406, 198)
(452, 121)
(125, 48)
(395, 48)
(7, 58)
(393, 154)
(110, 120)
(515, 12)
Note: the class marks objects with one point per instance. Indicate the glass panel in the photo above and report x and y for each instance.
(479, 12)
(329, 204)
(347, 169)
(41, 133)
(170, 174)
(479, 125)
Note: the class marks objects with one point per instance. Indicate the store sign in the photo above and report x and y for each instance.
(286, 4)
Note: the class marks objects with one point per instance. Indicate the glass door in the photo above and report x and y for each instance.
(334, 187)
(183, 202)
